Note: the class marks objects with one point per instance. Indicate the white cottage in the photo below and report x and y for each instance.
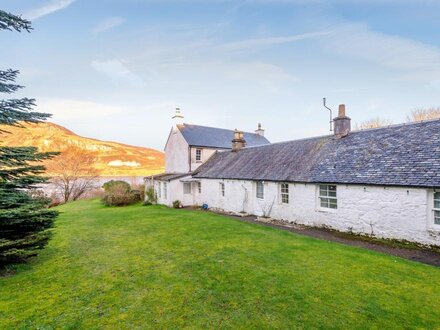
(187, 148)
(383, 182)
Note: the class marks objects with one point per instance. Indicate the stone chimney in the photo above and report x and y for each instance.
(259, 130)
(238, 142)
(177, 117)
(342, 123)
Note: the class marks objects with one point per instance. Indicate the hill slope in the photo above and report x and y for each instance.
(113, 159)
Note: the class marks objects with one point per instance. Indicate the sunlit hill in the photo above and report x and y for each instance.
(112, 158)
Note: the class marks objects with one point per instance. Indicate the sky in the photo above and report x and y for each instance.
(116, 69)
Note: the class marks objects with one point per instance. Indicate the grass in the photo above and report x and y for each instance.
(154, 267)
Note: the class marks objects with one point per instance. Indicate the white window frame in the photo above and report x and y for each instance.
(436, 209)
(159, 189)
(199, 153)
(199, 187)
(165, 190)
(259, 191)
(222, 189)
(284, 193)
(187, 188)
(324, 194)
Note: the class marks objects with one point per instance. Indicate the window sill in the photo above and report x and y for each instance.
(326, 210)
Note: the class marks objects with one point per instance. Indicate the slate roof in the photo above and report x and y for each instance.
(168, 176)
(203, 136)
(401, 155)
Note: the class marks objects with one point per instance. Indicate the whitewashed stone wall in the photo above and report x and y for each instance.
(176, 153)
(387, 212)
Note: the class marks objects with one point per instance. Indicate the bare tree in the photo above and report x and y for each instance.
(73, 173)
(266, 207)
(420, 114)
(373, 123)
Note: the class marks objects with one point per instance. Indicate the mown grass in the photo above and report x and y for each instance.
(154, 267)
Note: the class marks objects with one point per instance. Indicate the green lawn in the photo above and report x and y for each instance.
(154, 267)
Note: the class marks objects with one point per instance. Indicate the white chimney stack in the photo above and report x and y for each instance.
(177, 117)
(259, 130)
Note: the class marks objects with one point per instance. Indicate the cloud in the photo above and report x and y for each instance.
(417, 60)
(77, 110)
(48, 8)
(264, 42)
(117, 72)
(108, 24)
(268, 76)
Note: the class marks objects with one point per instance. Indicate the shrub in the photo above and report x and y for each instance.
(177, 204)
(141, 188)
(119, 193)
(151, 196)
(116, 183)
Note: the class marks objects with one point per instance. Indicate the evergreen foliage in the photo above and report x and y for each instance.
(24, 218)
(10, 22)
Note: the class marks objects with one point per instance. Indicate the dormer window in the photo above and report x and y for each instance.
(198, 155)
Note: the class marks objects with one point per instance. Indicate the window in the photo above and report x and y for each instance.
(160, 189)
(327, 196)
(198, 155)
(222, 189)
(284, 189)
(437, 208)
(199, 187)
(165, 190)
(187, 187)
(260, 189)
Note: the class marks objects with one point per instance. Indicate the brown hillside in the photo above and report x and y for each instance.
(113, 159)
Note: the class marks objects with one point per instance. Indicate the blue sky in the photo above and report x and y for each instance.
(116, 69)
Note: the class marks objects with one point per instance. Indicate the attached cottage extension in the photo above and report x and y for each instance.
(384, 181)
(189, 146)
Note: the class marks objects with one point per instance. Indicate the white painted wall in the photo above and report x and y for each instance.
(206, 154)
(174, 191)
(176, 153)
(400, 213)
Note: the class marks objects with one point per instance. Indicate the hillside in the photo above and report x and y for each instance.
(113, 159)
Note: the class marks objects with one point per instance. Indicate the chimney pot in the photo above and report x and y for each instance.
(341, 110)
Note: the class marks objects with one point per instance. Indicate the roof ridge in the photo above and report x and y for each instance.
(284, 142)
(396, 125)
(220, 128)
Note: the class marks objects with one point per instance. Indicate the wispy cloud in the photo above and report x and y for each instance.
(108, 24)
(417, 60)
(118, 72)
(47, 8)
(265, 42)
(75, 110)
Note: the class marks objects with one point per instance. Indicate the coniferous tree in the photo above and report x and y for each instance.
(24, 218)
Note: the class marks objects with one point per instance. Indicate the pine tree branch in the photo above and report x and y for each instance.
(9, 88)
(8, 75)
(11, 22)
(15, 110)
